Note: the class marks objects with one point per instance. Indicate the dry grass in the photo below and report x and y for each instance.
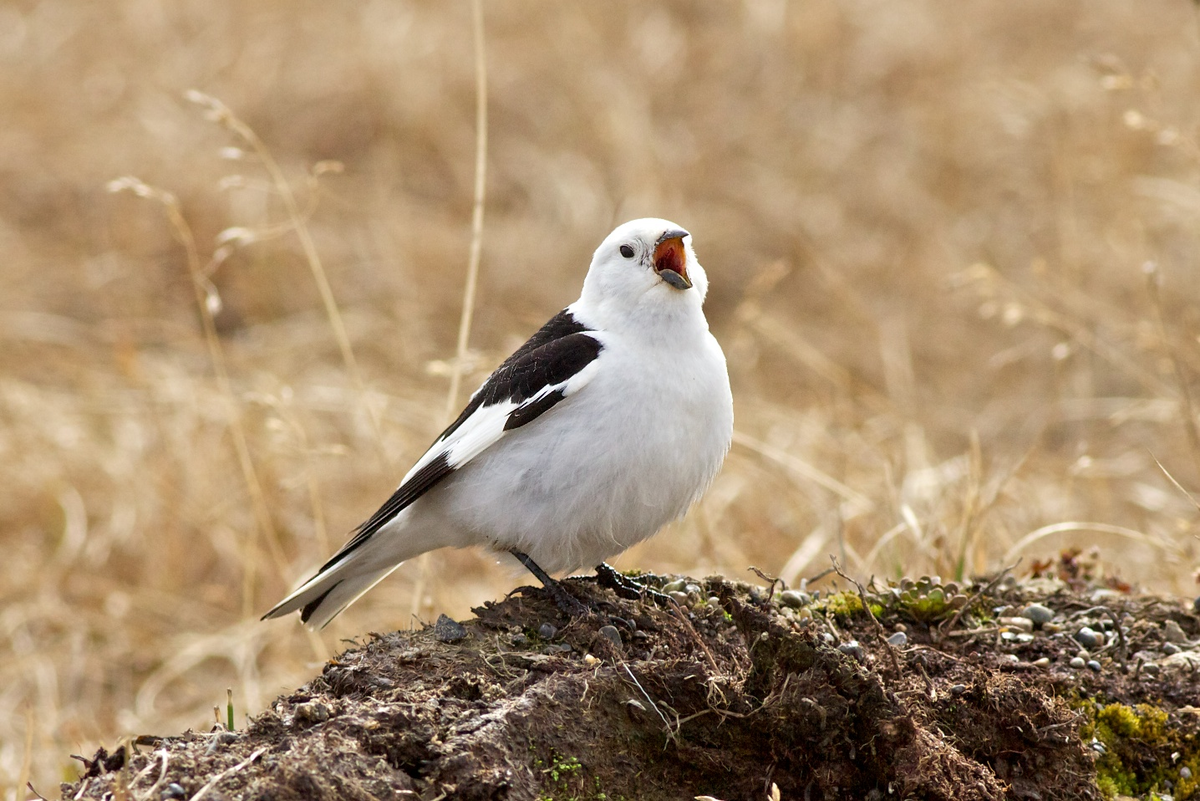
(926, 226)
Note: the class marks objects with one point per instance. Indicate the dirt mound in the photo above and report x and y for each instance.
(929, 691)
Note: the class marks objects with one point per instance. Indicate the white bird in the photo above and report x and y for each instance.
(610, 422)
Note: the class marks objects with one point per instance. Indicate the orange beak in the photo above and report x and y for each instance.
(670, 259)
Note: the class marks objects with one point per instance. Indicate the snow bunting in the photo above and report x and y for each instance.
(607, 424)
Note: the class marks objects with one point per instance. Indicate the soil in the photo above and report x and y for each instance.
(735, 692)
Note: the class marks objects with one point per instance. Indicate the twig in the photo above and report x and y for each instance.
(712, 660)
(772, 579)
(1171, 478)
(949, 625)
(473, 259)
(207, 300)
(862, 594)
(646, 695)
(226, 773)
(1153, 279)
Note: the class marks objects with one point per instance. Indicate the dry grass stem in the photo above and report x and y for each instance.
(925, 255)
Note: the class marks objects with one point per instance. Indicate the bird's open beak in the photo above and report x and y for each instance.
(670, 259)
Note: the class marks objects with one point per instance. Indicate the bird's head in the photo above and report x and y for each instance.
(646, 266)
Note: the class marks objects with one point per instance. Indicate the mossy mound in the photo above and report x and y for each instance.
(917, 690)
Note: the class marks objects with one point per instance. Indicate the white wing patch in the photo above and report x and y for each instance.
(486, 425)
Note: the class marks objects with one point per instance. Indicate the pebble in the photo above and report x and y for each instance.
(1093, 665)
(1078, 662)
(547, 631)
(519, 641)
(794, 598)
(611, 634)
(1043, 662)
(1017, 623)
(312, 712)
(1038, 613)
(1185, 772)
(898, 639)
(1170, 648)
(1089, 638)
(680, 596)
(853, 649)
(958, 689)
(674, 586)
(1173, 632)
(714, 600)
(448, 630)
(692, 589)
(174, 790)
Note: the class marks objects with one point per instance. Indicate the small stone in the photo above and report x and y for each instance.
(794, 598)
(1043, 662)
(1051, 628)
(853, 650)
(1016, 623)
(714, 600)
(1151, 669)
(519, 641)
(674, 586)
(1173, 633)
(1185, 772)
(448, 630)
(1170, 648)
(611, 634)
(547, 631)
(312, 712)
(1078, 663)
(1093, 665)
(1088, 638)
(173, 790)
(828, 638)
(692, 589)
(679, 596)
(1038, 613)
(898, 639)
(958, 689)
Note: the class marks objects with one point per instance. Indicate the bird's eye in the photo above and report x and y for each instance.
(627, 251)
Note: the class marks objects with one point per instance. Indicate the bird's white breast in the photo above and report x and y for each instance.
(608, 467)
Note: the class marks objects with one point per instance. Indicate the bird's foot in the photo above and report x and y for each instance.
(562, 599)
(625, 587)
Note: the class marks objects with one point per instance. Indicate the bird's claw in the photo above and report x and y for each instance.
(625, 587)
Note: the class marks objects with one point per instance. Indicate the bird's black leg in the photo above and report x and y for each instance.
(625, 587)
(565, 601)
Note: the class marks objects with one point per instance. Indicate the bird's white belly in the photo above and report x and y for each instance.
(605, 469)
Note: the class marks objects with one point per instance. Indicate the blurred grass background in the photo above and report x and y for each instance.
(953, 260)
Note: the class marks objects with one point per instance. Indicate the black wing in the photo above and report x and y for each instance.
(529, 383)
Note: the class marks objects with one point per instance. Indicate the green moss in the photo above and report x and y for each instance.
(842, 604)
(1138, 752)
